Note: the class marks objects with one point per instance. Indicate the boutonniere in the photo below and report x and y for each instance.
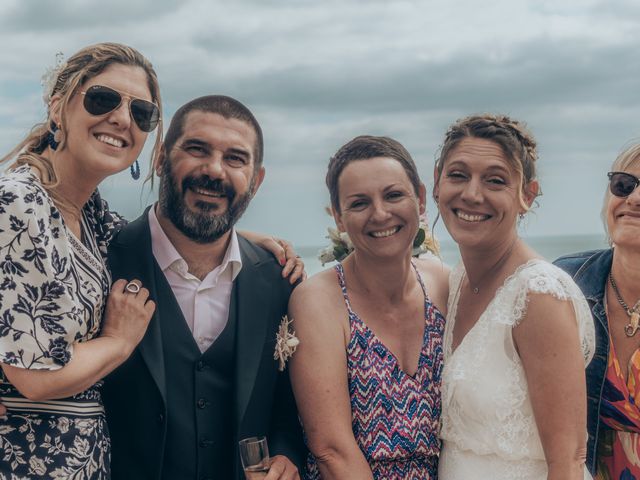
(286, 343)
(341, 245)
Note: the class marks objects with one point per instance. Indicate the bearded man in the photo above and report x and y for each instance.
(204, 376)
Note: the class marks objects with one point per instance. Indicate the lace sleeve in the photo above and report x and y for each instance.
(545, 278)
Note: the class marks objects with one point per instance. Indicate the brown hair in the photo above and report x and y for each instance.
(80, 67)
(512, 136)
(363, 148)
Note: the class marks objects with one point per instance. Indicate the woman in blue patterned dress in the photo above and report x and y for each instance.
(61, 330)
(366, 374)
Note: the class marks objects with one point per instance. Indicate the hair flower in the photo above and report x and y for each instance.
(341, 244)
(286, 343)
(50, 77)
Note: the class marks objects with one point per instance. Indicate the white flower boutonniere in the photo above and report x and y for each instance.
(286, 343)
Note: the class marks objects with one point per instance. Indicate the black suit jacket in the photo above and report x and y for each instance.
(134, 394)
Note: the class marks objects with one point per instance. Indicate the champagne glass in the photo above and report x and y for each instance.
(254, 454)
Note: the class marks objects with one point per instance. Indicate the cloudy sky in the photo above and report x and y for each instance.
(317, 73)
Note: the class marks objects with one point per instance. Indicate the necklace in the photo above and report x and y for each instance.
(633, 313)
(495, 268)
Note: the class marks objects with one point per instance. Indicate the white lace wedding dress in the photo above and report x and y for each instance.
(488, 428)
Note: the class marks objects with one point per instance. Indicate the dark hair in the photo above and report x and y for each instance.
(365, 147)
(222, 105)
(512, 136)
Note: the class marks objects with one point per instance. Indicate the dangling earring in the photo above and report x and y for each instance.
(54, 136)
(135, 170)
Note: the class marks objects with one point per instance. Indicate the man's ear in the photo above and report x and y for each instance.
(259, 177)
(159, 161)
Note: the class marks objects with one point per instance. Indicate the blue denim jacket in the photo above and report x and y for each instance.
(590, 271)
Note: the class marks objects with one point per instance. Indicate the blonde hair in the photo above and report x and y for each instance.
(80, 67)
(627, 159)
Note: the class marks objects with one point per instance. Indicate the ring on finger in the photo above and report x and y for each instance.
(132, 287)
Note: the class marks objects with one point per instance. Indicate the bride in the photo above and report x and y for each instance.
(519, 332)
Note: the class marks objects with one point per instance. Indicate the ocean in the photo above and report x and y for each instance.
(551, 247)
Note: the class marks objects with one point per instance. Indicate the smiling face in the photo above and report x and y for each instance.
(378, 207)
(209, 176)
(478, 194)
(99, 146)
(623, 216)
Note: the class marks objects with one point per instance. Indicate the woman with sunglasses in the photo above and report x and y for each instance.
(610, 279)
(61, 327)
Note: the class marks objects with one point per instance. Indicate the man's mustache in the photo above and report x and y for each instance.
(204, 182)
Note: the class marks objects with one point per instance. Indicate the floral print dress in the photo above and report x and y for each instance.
(53, 290)
(619, 441)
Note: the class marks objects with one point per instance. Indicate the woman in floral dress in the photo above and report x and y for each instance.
(61, 330)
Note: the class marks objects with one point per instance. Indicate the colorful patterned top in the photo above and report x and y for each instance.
(619, 444)
(395, 416)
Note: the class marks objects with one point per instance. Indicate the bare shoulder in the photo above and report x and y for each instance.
(435, 274)
(317, 299)
(434, 268)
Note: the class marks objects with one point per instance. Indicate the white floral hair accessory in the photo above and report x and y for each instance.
(286, 343)
(50, 77)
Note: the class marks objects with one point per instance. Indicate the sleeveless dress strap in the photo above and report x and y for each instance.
(343, 286)
(421, 282)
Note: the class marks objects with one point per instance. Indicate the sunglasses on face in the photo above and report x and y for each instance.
(100, 100)
(622, 184)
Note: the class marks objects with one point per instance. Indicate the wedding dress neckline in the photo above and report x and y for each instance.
(453, 303)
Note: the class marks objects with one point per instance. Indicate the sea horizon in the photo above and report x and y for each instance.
(549, 246)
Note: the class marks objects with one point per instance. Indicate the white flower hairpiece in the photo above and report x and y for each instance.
(286, 343)
(50, 77)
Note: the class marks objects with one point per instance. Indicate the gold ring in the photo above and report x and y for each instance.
(132, 287)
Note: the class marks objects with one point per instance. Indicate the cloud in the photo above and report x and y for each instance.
(318, 73)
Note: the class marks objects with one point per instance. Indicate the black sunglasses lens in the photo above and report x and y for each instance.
(622, 184)
(99, 100)
(145, 114)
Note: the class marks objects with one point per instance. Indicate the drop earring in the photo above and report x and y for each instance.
(135, 170)
(54, 136)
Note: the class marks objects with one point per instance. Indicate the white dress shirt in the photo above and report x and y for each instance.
(204, 304)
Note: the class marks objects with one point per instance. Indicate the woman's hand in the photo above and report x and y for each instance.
(293, 266)
(126, 317)
(127, 313)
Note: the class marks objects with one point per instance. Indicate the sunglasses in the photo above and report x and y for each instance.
(622, 184)
(100, 100)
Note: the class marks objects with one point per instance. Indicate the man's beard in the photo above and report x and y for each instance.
(201, 225)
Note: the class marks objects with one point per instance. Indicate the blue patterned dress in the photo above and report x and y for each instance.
(53, 290)
(395, 416)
